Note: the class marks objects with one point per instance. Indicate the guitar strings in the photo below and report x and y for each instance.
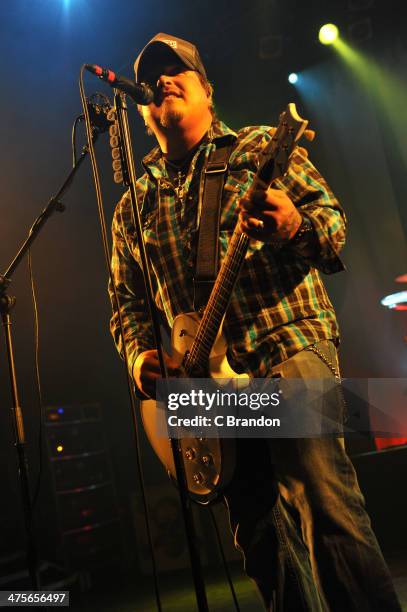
(207, 329)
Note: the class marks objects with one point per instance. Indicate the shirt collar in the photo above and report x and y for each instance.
(153, 162)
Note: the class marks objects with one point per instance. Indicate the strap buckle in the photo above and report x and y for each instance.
(216, 168)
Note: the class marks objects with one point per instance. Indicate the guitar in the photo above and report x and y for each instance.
(198, 342)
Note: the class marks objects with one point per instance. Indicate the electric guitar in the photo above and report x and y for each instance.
(198, 343)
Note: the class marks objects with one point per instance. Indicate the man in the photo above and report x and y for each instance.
(294, 504)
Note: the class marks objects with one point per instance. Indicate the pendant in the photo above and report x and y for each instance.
(180, 187)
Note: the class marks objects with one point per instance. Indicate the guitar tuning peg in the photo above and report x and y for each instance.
(111, 115)
(309, 135)
(116, 164)
(113, 130)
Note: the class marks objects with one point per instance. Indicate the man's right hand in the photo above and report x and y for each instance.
(146, 370)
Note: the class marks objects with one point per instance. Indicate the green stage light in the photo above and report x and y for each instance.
(328, 34)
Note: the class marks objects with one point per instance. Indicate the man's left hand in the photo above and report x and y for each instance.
(268, 215)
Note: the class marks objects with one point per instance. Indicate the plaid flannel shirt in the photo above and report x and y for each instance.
(279, 305)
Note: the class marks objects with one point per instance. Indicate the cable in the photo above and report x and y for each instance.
(39, 397)
(98, 105)
(117, 307)
(95, 107)
(222, 554)
(73, 139)
(38, 382)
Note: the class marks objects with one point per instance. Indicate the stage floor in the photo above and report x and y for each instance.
(176, 597)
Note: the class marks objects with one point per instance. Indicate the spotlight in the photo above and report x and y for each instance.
(328, 34)
(293, 78)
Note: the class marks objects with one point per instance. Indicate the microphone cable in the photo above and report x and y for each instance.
(132, 396)
(97, 105)
(37, 382)
(73, 138)
(38, 388)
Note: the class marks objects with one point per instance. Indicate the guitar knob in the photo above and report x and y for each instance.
(183, 332)
(206, 459)
(198, 478)
(190, 453)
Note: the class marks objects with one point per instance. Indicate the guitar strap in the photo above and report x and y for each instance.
(206, 267)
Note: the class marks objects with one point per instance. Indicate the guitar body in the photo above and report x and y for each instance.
(209, 462)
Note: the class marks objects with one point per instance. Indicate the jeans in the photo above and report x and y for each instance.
(299, 517)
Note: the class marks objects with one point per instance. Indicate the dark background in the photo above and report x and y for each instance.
(357, 107)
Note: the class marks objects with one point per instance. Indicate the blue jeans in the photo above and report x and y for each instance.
(299, 517)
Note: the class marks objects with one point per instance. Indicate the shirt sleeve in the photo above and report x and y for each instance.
(314, 199)
(129, 283)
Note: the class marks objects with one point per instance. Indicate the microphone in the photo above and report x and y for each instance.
(140, 92)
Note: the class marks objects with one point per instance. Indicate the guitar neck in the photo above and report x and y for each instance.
(273, 163)
(218, 302)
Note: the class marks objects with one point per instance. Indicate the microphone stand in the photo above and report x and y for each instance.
(6, 305)
(124, 131)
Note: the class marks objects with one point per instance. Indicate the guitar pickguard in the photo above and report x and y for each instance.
(184, 331)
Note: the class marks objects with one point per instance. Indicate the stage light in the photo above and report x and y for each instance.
(60, 411)
(328, 34)
(396, 301)
(60, 448)
(293, 78)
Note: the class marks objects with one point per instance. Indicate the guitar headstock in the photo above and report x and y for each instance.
(275, 157)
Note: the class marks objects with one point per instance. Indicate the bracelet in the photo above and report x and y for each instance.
(303, 233)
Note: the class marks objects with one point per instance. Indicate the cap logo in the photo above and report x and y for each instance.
(171, 43)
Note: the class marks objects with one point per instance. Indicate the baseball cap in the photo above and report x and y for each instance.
(163, 48)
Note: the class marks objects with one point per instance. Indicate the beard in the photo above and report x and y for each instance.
(170, 114)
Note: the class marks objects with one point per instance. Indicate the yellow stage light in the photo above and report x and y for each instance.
(328, 34)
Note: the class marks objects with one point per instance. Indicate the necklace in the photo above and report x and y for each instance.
(180, 186)
(178, 171)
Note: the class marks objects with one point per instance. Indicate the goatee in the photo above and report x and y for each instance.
(170, 117)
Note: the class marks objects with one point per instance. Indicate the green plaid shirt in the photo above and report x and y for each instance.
(279, 305)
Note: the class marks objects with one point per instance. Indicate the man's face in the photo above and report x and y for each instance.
(180, 97)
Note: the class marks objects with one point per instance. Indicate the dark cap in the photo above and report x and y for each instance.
(162, 48)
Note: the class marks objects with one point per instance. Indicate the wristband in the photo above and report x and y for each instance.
(303, 233)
